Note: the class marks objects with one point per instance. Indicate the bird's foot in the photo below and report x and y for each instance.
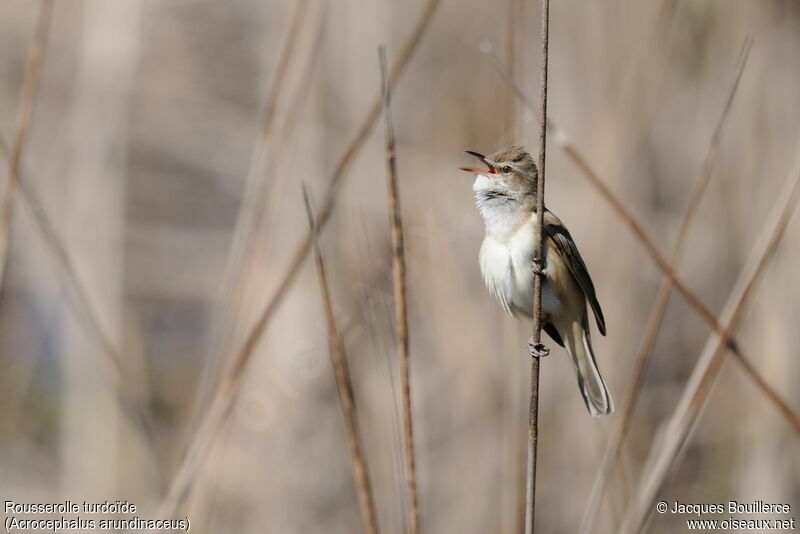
(538, 350)
(538, 267)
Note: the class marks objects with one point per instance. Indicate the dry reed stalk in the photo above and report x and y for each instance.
(81, 303)
(111, 365)
(344, 384)
(613, 448)
(276, 135)
(112, 362)
(562, 141)
(253, 199)
(226, 391)
(709, 365)
(399, 286)
(210, 414)
(27, 102)
(533, 414)
(66, 267)
(375, 317)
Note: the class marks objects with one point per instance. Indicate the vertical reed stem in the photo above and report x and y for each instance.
(533, 416)
(401, 316)
(344, 384)
(30, 88)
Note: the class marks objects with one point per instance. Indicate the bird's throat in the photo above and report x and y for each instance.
(503, 216)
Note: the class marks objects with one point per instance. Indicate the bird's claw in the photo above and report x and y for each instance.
(538, 350)
(538, 267)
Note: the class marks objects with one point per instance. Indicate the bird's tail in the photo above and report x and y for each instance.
(593, 388)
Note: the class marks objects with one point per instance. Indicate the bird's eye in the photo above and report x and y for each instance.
(506, 169)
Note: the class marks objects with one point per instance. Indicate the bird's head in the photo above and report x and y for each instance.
(510, 173)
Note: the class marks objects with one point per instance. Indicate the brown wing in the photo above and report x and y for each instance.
(560, 237)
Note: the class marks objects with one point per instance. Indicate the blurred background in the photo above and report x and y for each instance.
(180, 217)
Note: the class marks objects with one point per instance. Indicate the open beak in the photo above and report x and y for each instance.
(489, 167)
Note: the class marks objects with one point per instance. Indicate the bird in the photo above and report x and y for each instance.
(505, 194)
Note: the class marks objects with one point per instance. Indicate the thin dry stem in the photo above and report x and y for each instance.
(533, 414)
(79, 301)
(709, 365)
(27, 103)
(82, 305)
(777, 401)
(562, 140)
(210, 415)
(331, 193)
(344, 384)
(66, 266)
(399, 285)
(252, 207)
(226, 391)
(611, 455)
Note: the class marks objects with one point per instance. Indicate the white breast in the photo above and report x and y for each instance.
(506, 268)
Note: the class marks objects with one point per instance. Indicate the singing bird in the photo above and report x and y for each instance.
(505, 193)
